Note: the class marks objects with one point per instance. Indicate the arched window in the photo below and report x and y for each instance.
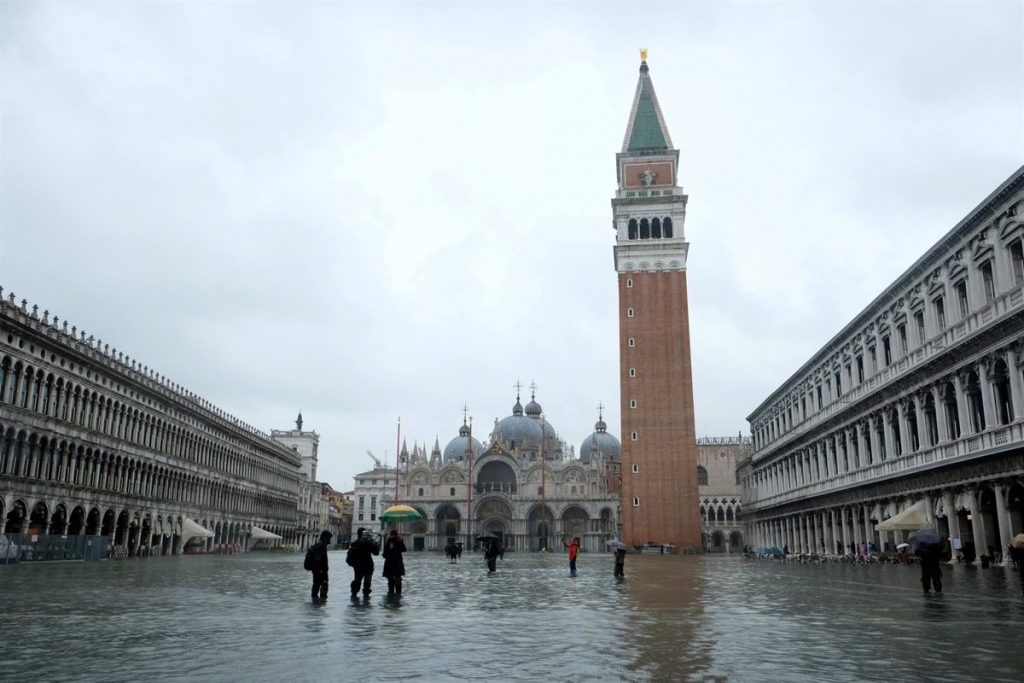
(656, 228)
(645, 229)
(421, 491)
(666, 227)
(451, 491)
(702, 476)
(632, 229)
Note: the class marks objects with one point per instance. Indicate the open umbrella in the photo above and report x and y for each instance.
(1018, 541)
(901, 546)
(927, 540)
(400, 513)
(616, 544)
(487, 536)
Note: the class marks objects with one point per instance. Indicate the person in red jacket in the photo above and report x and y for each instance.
(574, 550)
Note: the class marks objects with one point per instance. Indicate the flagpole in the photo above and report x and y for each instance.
(398, 455)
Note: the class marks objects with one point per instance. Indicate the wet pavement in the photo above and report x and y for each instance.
(249, 617)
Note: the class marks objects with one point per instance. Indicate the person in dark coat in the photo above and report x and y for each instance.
(394, 564)
(620, 563)
(451, 550)
(931, 572)
(491, 554)
(360, 558)
(318, 560)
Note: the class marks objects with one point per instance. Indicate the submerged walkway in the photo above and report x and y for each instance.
(249, 617)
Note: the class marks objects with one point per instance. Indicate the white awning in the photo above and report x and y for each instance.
(191, 529)
(259, 534)
(913, 518)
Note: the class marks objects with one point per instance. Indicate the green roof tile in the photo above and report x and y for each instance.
(646, 130)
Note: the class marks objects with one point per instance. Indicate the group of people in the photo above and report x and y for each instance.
(360, 557)
(365, 546)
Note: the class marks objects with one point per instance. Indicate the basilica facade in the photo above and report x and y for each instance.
(524, 485)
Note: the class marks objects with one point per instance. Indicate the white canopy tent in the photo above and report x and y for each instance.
(259, 534)
(913, 518)
(191, 529)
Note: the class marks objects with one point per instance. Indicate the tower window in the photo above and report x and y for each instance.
(902, 331)
(636, 501)
(645, 229)
(919, 321)
(632, 403)
(632, 372)
(636, 468)
(666, 227)
(702, 476)
(629, 312)
(656, 228)
(629, 282)
(634, 436)
(632, 229)
(632, 342)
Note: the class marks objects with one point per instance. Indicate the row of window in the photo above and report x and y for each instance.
(48, 394)
(926, 321)
(655, 228)
(967, 403)
(39, 457)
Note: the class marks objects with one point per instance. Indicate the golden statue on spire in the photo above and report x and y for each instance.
(643, 54)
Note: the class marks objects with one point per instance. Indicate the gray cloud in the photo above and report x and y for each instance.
(367, 211)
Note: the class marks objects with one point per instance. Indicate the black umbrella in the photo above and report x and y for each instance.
(487, 536)
(927, 540)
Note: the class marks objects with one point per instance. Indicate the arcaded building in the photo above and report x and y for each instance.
(918, 401)
(100, 449)
(659, 447)
(721, 494)
(525, 485)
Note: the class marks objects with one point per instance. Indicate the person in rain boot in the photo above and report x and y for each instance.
(360, 558)
(394, 564)
(317, 560)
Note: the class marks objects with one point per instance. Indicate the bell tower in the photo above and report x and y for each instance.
(659, 446)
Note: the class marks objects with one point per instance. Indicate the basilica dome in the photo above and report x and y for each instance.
(518, 430)
(455, 451)
(601, 441)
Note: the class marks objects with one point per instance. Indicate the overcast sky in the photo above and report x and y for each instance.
(373, 210)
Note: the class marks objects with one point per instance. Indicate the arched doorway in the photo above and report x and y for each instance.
(16, 518)
(990, 520)
(495, 516)
(38, 522)
(107, 529)
(541, 523)
(121, 532)
(77, 522)
(735, 541)
(575, 522)
(446, 524)
(59, 520)
(717, 541)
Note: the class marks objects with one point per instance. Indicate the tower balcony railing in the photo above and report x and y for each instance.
(993, 440)
(1002, 306)
(648, 192)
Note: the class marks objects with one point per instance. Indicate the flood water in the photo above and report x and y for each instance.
(250, 617)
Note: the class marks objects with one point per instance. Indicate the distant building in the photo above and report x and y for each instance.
(918, 402)
(525, 486)
(721, 495)
(313, 506)
(96, 444)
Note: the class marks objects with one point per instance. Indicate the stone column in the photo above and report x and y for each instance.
(1004, 520)
(940, 414)
(966, 424)
(857, 540)
(820, 460)
(904, 419)
(886, 449)
(842, 531)
(949, 506)
(1014, 365)
(922, 423)
(869, 537)
(987, 388)
(977, 524)
(836, 537)
(813, 520)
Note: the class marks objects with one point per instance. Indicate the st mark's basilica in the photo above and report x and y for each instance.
(526, 486)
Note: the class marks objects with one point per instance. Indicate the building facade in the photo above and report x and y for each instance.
(313, 511)
(659, 454)
(94, 443)
(918, 400)
(525, 486)
(721, 494)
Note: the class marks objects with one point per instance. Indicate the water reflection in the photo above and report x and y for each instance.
(673, 618)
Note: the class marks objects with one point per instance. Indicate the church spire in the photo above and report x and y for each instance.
(646, 129)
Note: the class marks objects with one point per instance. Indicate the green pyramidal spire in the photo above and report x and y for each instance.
(646, 130)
